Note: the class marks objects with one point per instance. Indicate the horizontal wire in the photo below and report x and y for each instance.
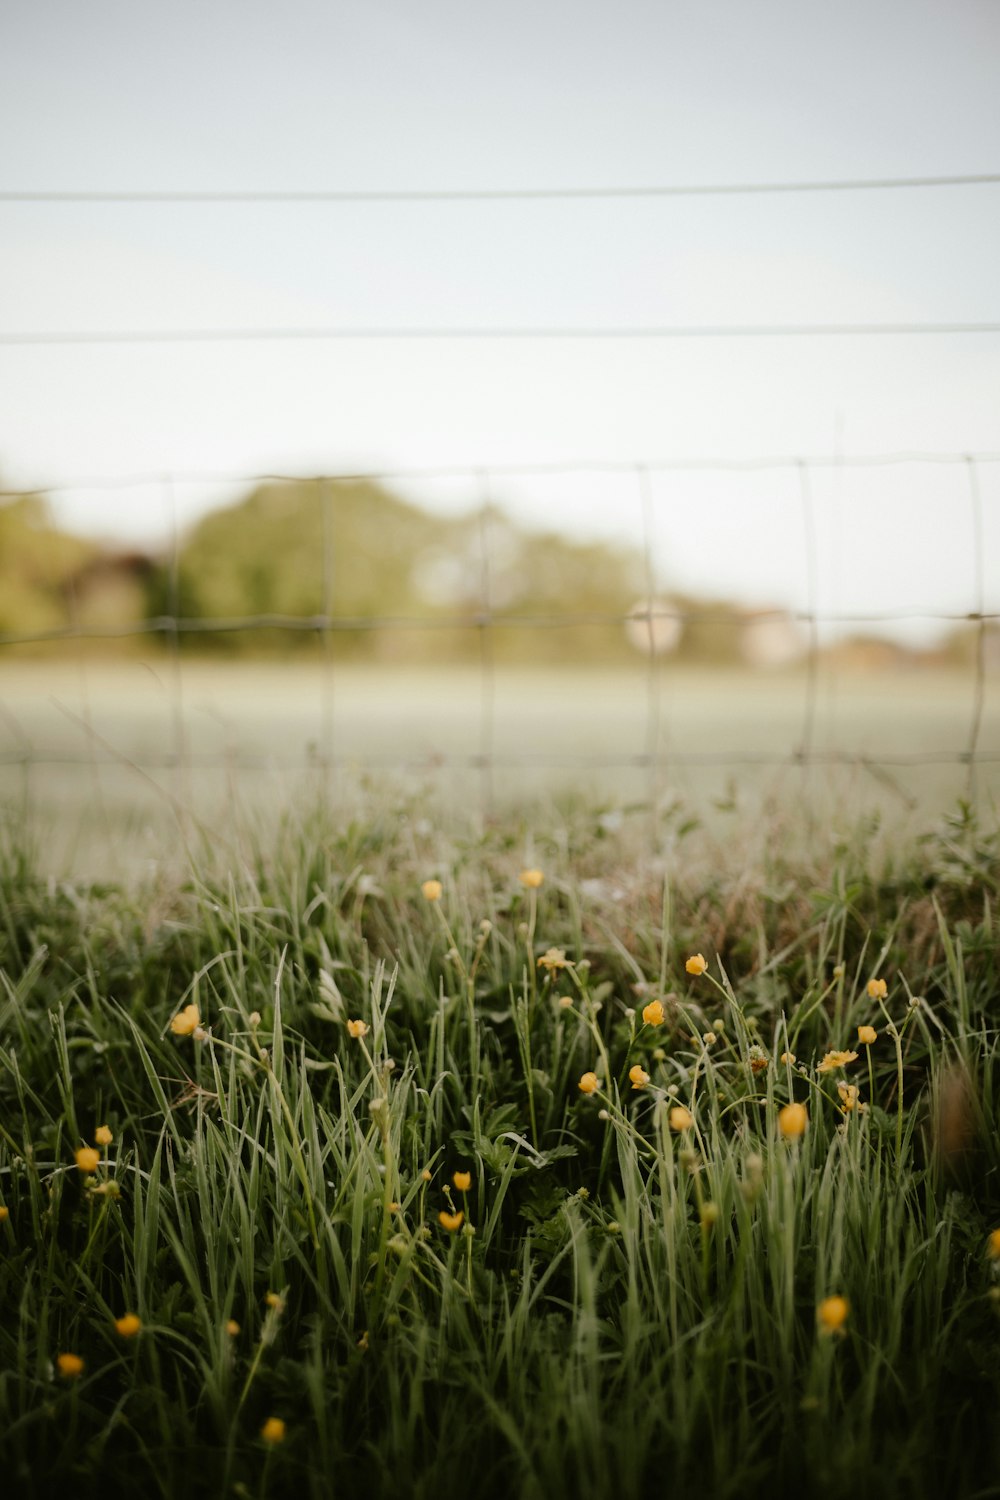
(315, 624)
(487, 195)
(513, 761)
(475, 471)
(346, 334)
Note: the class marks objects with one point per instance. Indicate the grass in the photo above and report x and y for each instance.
(625, 1307)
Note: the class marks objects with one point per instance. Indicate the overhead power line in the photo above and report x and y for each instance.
(319, 335)
(486, 195)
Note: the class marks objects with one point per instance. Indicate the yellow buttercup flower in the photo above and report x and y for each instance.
(4, 1213)
(638, 1076)
(848, 1096)
(788, 1058)
(696, 964)
(432, 890)
(835, 1060)
(462, 1180)
(186, 1021)
(867, 1035)
(792, 1121)
(993, 1245)
(128, 1326)
(69, 1366)
(554, 958)
(275, 1300)
(103, 1136)
(680, 1118)
(450, 1221)
(232, 1327)
(357, 1029)
(589, 1083)
(831, 1314)
(532, 879)
(653, 1014)
(273, 1431)
(877, 989)
(87, 1159)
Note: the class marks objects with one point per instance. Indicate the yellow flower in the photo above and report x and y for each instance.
(565, 1002)
(87, 1159)
(831, 1314)
(589, 1083)
(993, 1245)
(696, 964)
(4, 1213)
(462, 1180)
(426, 1175)
(103, 1136)
(450, 1221)
(69, 1366)
(848, 1096)
(653, 1014)
(275, 1300)
(431, 890)
(232, 1328)
(532, 879)
(357, 1029)
(788, 1057)
(554, 958)
(867, 1035)
(128, 1326)
(792, 1121)
(835, 1060)
(186, 1021)
(273, 1431)
(680, 1118)
(877, 989)
(639, 1077)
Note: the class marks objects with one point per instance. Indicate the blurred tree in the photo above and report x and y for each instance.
(38, 565)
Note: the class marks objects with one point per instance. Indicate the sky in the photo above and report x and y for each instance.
(458, 96)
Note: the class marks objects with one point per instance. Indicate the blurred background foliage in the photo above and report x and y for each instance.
(377, 565)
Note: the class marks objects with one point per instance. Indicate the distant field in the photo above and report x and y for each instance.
(107, 753)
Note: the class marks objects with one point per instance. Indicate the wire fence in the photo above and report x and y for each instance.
(654, 755)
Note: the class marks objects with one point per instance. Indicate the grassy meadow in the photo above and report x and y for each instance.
(398, 1155)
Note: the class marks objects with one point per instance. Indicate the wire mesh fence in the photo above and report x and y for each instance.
(483, 729)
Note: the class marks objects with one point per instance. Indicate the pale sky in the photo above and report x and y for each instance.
(366, 96)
